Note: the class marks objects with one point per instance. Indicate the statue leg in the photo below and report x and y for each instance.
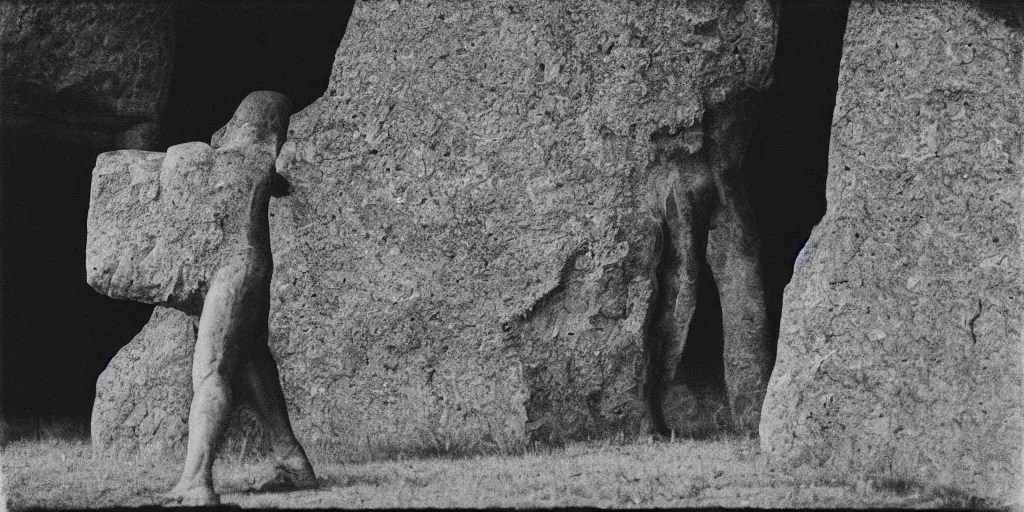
(680, 294)
(733, 255)
(213, 364)
(260, 385)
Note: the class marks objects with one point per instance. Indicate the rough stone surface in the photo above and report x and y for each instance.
(468, 253)
(900, 352)
(160, 225)
(143, 396)
(467, 257)
(86, 61)
(128, 407)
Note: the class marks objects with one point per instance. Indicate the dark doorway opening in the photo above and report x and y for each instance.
(57, 333)
(787, 162)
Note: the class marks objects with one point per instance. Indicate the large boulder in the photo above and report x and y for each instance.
(900, 353)
(467, 258)
(161, 224)
(143, 395)
(470, 249)
(94, 72)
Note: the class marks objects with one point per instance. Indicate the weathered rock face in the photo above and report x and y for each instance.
(469, 249)
(131, 413)
(900, 352)
(160, 225)
(95, 71)
(467, 257)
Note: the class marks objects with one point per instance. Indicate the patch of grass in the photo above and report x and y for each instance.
(56, 473)
(420, 444)
(44, 429)
(651, 472)
(947, 497)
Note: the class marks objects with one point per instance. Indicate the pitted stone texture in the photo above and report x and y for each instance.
(160, 224)
(143, 396)
(900, 352)
(467, 256)
(129, 408)
(86, 60)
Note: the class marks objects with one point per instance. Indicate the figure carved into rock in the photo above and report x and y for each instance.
(231, 355)
(706, 215)
(204, 213)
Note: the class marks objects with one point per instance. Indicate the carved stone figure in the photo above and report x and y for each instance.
(211, 246)
(707, 216)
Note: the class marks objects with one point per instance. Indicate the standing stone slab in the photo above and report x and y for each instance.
(132, 414)
(467, 258)
(900, 352)
(143, 395)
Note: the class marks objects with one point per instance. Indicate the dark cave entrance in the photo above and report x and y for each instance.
(57, 333)
(787, 163)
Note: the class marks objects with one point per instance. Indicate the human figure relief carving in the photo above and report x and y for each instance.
(706, 215)
(232, 361)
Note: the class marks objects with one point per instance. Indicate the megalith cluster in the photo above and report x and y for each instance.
(496, 206)
(469, 254)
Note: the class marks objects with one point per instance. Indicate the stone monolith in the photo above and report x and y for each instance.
(900, 355)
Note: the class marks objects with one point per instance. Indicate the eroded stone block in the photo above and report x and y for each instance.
(900, 353)
(160, 224)
(86, 61)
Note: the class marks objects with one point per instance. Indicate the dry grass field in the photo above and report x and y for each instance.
(57, 469)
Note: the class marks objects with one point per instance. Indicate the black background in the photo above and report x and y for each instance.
(58, 334)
